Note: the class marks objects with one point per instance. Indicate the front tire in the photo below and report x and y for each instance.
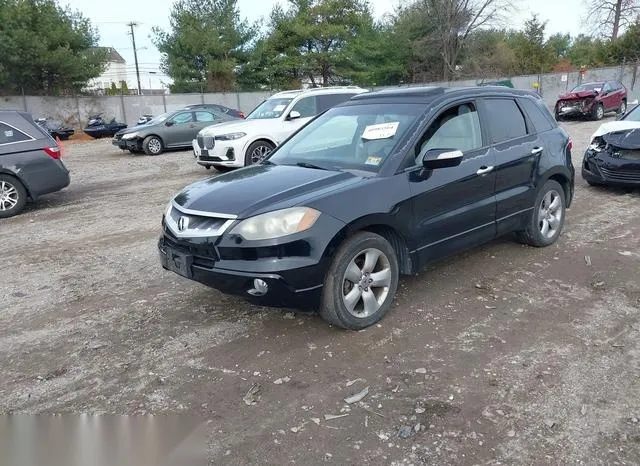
(13, 196)
(547, 218)
(598, 112)
(361, 282)
(152, 145)
(257, 151)
(623, 107)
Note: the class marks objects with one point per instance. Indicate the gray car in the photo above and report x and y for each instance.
(173, 130)
(30, 164)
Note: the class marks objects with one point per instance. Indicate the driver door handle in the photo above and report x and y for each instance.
(484, 170)
(537, 150)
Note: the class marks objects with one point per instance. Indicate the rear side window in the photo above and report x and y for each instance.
(9, 134)
(325, 102)
(537, 115)
(505, 120)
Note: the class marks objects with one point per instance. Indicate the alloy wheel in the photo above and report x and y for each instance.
(600, 112)
(259, 153)
(550, 214)
(155, 146)
(623, 108)
(8, 196)
(366, 283)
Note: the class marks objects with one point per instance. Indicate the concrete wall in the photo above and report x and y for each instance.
(76, 110)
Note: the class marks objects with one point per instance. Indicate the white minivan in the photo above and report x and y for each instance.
(244, 142)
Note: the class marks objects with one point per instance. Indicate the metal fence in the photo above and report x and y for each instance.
(128, 108)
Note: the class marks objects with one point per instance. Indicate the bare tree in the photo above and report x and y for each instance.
(454, 20)
(608, 17)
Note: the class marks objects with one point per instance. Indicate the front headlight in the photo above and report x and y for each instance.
(277, 224)
(230, 136)
(130, 135)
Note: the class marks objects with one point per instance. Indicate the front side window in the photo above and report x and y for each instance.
(358, 137)
(505, 120)
(457, 128)
(9, 134)
(306, 107)
(271, 108)
(182, 118)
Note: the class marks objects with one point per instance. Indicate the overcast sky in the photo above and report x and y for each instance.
(110, 18)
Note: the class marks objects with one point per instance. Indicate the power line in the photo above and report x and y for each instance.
(135, 52)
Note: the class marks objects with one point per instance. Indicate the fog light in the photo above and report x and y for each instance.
(260, 288)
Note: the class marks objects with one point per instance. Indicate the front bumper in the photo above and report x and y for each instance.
(127, 144)
(291, 281)
(219, 153)
(577, 108)
(600, 167)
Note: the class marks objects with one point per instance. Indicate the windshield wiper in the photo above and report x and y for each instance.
(311, 165)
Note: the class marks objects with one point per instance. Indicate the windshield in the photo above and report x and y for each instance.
(588, 87)
(271, 108)
(357, 137)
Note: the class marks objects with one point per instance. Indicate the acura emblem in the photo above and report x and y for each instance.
(183, 223)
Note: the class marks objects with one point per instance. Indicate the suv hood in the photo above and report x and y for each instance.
(261, 188)
(237, 126)
(577, 95)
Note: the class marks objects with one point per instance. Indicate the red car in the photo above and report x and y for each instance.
(592, 100)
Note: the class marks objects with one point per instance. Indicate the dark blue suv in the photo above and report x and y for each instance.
(375, 188)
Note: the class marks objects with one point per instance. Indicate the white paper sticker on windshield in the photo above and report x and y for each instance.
(8, 134)
(373, 160)
(279, 108)
(380, 131)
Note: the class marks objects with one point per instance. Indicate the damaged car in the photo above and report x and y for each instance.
(592, 100)
(613, 155)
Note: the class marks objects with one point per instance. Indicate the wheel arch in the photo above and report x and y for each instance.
(564, 180)
(23, 182)
(380, 225)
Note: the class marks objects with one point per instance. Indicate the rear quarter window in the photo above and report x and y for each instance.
(506, 121)
(538, 114)
(9, 134)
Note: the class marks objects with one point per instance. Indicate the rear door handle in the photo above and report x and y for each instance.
(537, 150)
(484, 170)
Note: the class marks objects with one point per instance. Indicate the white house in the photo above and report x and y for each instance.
(115, 71)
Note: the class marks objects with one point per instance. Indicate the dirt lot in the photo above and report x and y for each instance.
(503, 355)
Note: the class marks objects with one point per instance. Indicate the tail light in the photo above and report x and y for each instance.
(242, 115)
(570, 145)
(53, 152)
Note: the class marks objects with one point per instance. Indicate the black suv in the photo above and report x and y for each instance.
(372, 189)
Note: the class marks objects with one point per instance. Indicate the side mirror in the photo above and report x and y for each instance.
(433, 159)
(294, 115)
(169, 123)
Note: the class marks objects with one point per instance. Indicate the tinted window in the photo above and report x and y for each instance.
(306, 107)
(182, 118)
(325, 102)
(204, 116)
(536, 114)
(9, 134)
(505, 120)
(456, 128)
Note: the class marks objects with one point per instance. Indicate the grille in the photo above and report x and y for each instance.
(631, 176)
(197, 223)
(206, 142)
(206, 254)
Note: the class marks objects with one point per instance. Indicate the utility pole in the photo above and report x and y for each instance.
(135, 53)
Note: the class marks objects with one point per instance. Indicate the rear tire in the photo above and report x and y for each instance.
(13, 196)
(547, 218)
(623, 107)
(152, 145)
(361, 282)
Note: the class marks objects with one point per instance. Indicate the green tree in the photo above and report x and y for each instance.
(318, 40)
(488, 55)
(46, 49)
(207, 42)
(587, 51)
(533, 53)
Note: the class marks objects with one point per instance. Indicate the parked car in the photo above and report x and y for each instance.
(241, 143)
(30, 164)
(592, 100)
(220, 108)
(613, 155)
(171, 130)
(375, 188)
(55, 128)
(99, 128)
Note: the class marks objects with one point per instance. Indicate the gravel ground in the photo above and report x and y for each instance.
(501, 355)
